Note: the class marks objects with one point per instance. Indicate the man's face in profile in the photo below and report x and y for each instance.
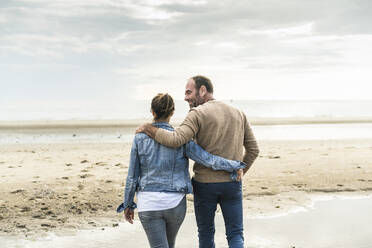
(192, 94)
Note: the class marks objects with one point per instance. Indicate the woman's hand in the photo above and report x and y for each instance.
(129, 215)
(240, 173)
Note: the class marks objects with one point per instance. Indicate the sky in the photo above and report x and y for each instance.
(102, 52)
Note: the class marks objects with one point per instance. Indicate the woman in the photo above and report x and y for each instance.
(160, 176)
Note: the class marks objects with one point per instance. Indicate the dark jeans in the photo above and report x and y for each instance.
(206, 198)
(161, 227)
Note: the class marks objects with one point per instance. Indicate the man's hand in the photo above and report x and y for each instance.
(142, 128)
(129, 215)
(240, 174)
(148, 129)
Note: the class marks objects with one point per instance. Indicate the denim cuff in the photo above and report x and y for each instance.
(242, 165)
(234, 175)
(123, 206)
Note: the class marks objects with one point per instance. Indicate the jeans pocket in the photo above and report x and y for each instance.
(147, 216)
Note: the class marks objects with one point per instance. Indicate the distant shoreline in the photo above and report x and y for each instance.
(56, 124)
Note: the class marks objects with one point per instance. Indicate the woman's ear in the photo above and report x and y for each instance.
(153, 114)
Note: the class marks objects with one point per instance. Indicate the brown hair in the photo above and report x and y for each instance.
(202, 80)
(162, 105)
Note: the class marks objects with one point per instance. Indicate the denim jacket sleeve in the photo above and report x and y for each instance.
(132, 180)
(201, 156)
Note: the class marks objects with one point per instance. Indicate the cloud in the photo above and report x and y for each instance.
(328, 17)
(130, 45)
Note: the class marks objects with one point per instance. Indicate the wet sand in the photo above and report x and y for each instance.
(342, 221)
(66, 187)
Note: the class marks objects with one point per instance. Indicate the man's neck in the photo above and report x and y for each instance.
(208, 98)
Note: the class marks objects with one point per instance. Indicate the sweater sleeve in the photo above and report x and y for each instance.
(183, 134)
(250, 145)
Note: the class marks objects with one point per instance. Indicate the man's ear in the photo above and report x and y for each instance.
(202, 91)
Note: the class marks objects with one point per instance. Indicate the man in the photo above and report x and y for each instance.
(222, 130)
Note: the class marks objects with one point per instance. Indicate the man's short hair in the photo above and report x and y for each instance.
(200, 81)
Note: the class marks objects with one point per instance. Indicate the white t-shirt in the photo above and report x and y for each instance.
(155, 201)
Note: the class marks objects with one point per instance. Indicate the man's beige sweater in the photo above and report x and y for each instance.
(221, 130)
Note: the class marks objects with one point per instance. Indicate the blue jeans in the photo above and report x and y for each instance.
(162, 226)
(206, 198)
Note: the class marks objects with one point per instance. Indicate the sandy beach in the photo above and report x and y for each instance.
(66, 187)
(78, 77)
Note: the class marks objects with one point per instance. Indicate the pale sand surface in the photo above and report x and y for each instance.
(67, 187)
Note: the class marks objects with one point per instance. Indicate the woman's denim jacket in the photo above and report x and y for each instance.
(157, 168)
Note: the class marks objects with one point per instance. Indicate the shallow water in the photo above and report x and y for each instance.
(331, 223)
(314, 132)
(78, 135)
(139, 109)
(328, 223)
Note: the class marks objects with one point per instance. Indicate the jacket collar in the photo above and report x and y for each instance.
(161, 124)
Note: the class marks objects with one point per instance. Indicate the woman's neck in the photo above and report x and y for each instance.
(162, 120)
